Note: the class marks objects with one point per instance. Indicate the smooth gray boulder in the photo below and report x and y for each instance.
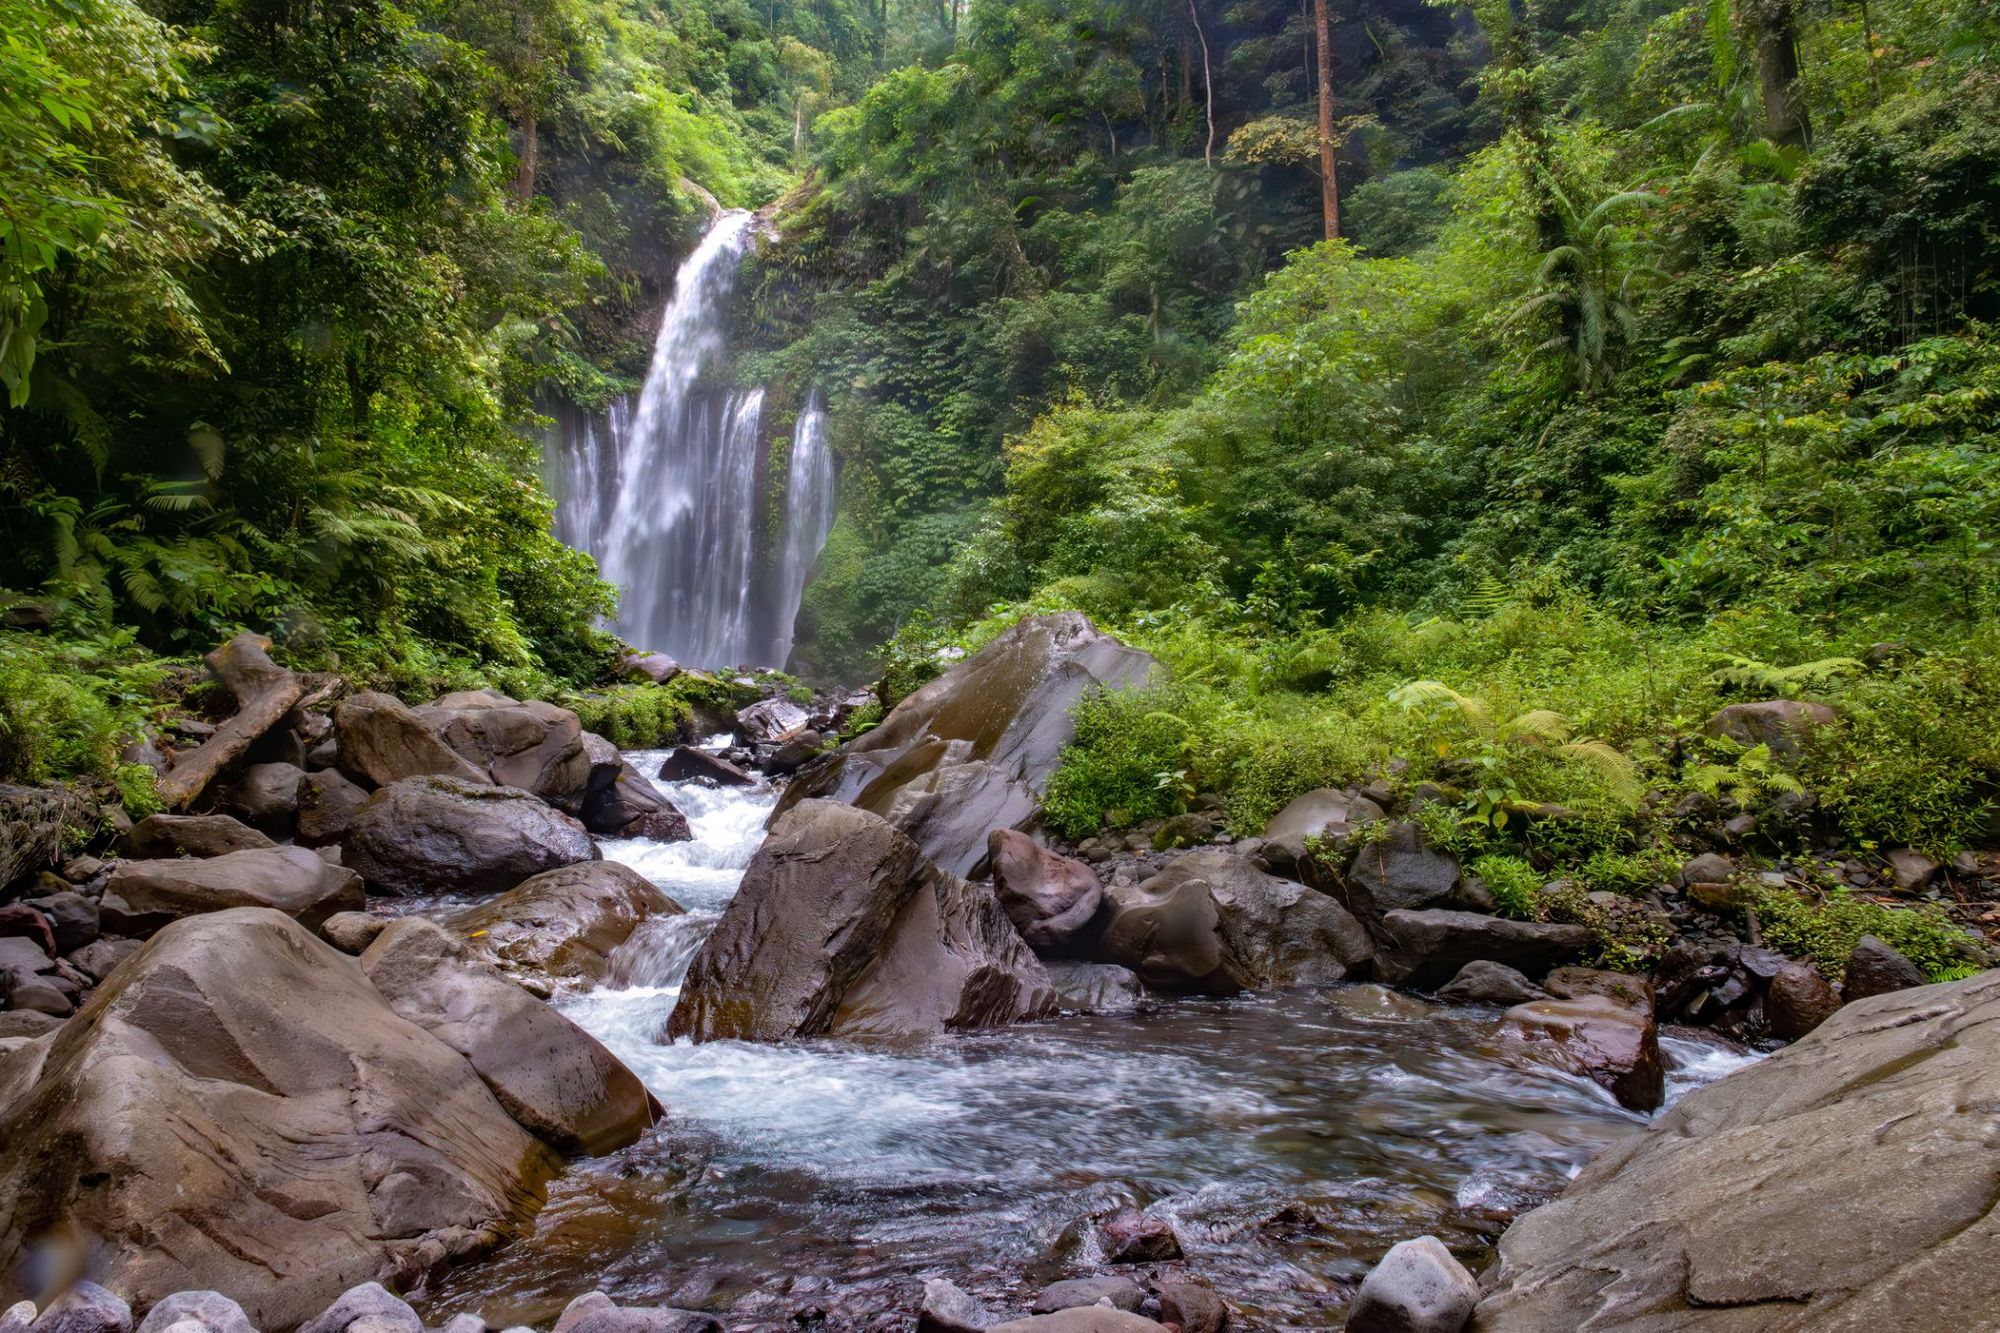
(1096, 988)
(238, 1109)
(564, 924)
(1786, 726)
(441, 835)
(1000, 718)
(1596, 1024)
(1402, 872)
(685, 763)
(1073, 1293)
(948, 1309)
(142, 896)
(1417, 1288)
(211, 1309)
(1483, 981)
(594, 1312)
(843, 927)
(1328, 813)
(367, 1308)
(1423, 950)
(85, 1308)
(1876, 968)
(327, 805)
(1840, 1185)
(1212, 923)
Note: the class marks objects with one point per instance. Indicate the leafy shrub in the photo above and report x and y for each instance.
(68, 707)
(1514, 884)
(1128, 763)
(636, 717)
(1825, 932)
(1627, 935)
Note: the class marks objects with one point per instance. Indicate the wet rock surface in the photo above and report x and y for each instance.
(563, 924)
(443, 835)
(1838, 1185)
(142, 896)
(842, 926)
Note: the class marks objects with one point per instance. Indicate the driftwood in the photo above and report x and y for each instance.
(265, 692)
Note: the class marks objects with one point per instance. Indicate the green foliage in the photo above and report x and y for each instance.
(1515, 885)
(1129, 762)
(1825, 932)
(69, 707)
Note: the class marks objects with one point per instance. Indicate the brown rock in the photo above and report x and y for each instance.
(1051, 899)
(685, 763)
(556, 1080)
(328, 803)
(563, 924)
(842, 927)
(157, 837)
(1843, 1185)
(144, 896)
(1133, 1237)
(266, 797)
(1213, 923)
(1423, 950)
(442, 835)
(1599, 1025)
(1787, 726)
(238, 1109)
(1196, 1308)
(1875, 968)
(382, 741)
(1799, 1001)
(534, 746)
(1001, 716)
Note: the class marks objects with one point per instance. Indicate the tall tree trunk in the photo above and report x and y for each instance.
(1329, 182)
(523, 188)
(1207, 84)
(1774, 25)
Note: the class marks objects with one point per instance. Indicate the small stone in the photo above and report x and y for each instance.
(368, 1308)
(17, 1317)
(85, 1308)
(97, 960)
(1911, 870)
(464, 1323)
(1874, 968)
(1417, 1288)
(352, 932)
(949, 1309)
(1134, 1238)
(1070, 1294)
(1708, 868)
(1194, 1307)
(209, 1310)
(1483, 981)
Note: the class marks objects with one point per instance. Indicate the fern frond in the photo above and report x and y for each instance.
(1619, 773)
(1539, 724)
(1433, 694)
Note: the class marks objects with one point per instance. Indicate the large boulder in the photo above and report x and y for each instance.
(563, 924)
(1096, 988)
(443, 835)
(265, 694)
(1787, 726)
(1005, 710)
(1845, 1183)
(1874, 967)
(625, 804)
(535, 746)
(237, 1109)
(685, 763)
(1598, 1025)
(1215, 924)
(382, 741)
(159, 836)
(555, 1079)
(843, 927)
(140, 897)
(1051, 899)
(1424, 950)
(770, 720)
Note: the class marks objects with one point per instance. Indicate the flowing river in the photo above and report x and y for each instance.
(1290, 1137)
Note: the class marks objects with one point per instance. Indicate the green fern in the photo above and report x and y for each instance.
(1747, 673)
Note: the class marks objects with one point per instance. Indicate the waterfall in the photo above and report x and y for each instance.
(668, 494)
(808, 515)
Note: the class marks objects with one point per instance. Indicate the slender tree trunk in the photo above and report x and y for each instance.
(1774, 25)
(1329, 183)
(524, 170)
(1207, 84)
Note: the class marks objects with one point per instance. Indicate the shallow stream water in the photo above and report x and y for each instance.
(1292, 1138)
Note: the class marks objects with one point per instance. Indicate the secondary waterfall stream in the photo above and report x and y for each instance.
(668, 493)
(1291, 1137)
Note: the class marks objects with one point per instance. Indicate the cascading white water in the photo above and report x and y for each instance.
(668, 501)
(808, 515)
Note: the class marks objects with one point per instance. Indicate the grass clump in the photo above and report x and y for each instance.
(1514, 884)
(1825, 932)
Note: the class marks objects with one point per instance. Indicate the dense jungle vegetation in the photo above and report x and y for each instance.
(1633, 358)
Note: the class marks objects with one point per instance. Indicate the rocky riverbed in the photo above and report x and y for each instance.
(462, 1000)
